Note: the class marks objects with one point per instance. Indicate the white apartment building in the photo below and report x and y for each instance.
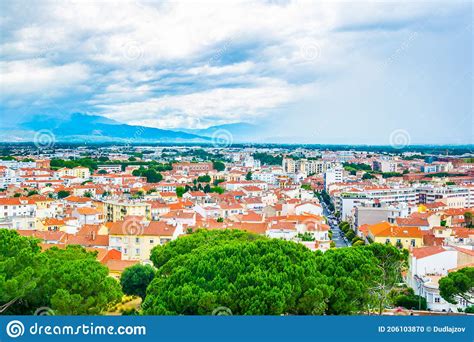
(15, 165)
(265, 176)
(333, 175)
(452, 196)
(385, 165)
(8, 177)
(427, 265)
(307, 166)
(345, 202)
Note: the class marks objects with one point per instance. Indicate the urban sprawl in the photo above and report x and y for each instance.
(123, 201)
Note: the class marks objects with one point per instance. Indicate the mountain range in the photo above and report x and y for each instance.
(80, 127)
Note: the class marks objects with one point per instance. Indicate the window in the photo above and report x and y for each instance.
(152, 241)
(437, 299)
(413, 242)
(137, 251)
(137, 240)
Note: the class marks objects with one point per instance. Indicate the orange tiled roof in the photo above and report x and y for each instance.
(395, 231)
(120, 265)
(424, 252)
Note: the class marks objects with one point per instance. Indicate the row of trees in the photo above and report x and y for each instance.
(350, 234)
(93, 163)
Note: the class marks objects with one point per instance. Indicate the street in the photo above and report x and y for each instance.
(337, 234)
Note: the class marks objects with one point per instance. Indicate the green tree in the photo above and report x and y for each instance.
(390, 263)
(217, 189)
(180, 191)
(32, 193)
(63, 194)
(152, 176)
(350, 271)
(19, 267)
(218, 165)
(70, 281)
(248, 176)
(367, 176)
(411, 302)
(102, 172)
(268, 159)
(204, 179)
(217, 181)
(468, 219)
(135, 279)
(458, 284)
(88, 194)
(259, 276)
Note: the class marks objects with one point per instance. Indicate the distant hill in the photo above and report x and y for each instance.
(82, 127)
(240, 131)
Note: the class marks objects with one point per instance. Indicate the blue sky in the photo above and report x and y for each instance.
(305, 71)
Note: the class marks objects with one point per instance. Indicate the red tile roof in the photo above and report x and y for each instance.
(424, 252)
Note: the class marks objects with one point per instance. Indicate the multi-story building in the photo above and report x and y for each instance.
(385, 165)
(188, 167)
(452, 196)
(370, 213)
(110, 168)
(307, 166)
(78, 172)
(334, 175)
(8, 177)
(118, 210)
(405, 237)
(17, 213)
(427, 265)
(136, 242)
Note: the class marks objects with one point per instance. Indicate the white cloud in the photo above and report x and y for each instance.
(222, 105)
(182, 63)
(35, 76)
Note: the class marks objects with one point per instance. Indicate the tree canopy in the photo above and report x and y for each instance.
(70, 281)
(218, 165)
(258, 276)
(251, 274)
(135, 279)
(458, 284)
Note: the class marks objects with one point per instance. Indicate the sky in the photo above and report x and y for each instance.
(344, 72)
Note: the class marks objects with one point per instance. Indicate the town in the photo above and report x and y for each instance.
(121, 201)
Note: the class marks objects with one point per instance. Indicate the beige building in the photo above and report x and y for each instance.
(78, 172)
(116, 210)
(135, 238)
